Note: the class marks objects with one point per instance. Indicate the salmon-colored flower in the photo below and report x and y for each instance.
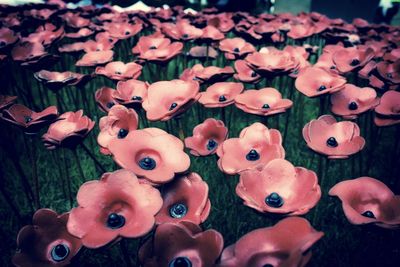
(29, 121)
(352, 101)
(337, 140)
(81, 33)
(7, 38)
(68, 131)
(56, 80)
(389, 71)
(265, 102)
(206, 138)
(130, 92)
(28, 51)
(181, 244)
(95, 58)
(352, 58)
(120, 71)
(200, 52)
(209, 74)
(117, 124)
(117, 205)
(104, 98)
(182, 30)
(256, 146)
(6, 101)
(185, 199)
(212, 34)
(235, 48)
(245, 73)
(167, 99)
(46, 242)
(150, 153)
(220, 94)
(287, 243)
(301, 31)
(279, 188)
(314, 81)
(122, 30)
(301, 55)
(367, 200)
(388, 111)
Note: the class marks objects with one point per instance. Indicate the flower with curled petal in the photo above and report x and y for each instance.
(235, 48)
(46, 242)
(122, 30)
(279, 188)
(182, 30)
(56, 80)
(181, 244)
(367, 200)
(185, 199)
(209, 74)
(244, 73)
(104, 98)
(150, 153)
(264, 102)
(68, 131)
(287, 243)
(120, 71)
(117, 205)
(256, 146)
(206, 137)
(352, 58)
(220, 94)
(95, 58)
(6, 101)
(337, 140)
(130, 92)
(388, 111)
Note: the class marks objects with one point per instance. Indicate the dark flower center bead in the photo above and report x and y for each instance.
(178, 210)
(147, 163)
(60, 252)
(115, 221)
(152, 47)
(355, 62)
(321, 88)
(253, 74)
(127, 33)
(118, 72)
(211, 144)
(180, 262)
(110, 40)
(332, 142)
(369, 214)
(265, 106)
(122, 133)
(173, 105)
(274, 200)
(253, 155)
(389, 75)
(110, 104)
(353, 106)
(333, 67)
(222, 98)
(236, 50)
(138, 98)
(184, 36)
(268, 265)
(28, 119)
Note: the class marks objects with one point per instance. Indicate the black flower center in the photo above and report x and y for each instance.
(389, 75)
(332, 142)
(185, 35)
(355, 62)
(180, 262)
(137, 98)
(152, 47)
(110, 40)
(274, 200)
(222, 98)
(122, 133)
(118, 72)
(173, 105)
(127, 32)
(265, 106)
(369, 214)
(147, 163)
(321, 88)
(236, 50)
(268, 265)
(60, 252)
(27, 119)
(178, 210)
(115, 221)
(110, 104)
(252, 155)
(211, 144)
(253, 74)
(353, 106)
(333, 67)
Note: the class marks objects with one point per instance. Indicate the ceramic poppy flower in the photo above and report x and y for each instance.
(104, 98)
(185, 199)
(68, 131)
(181, 244)
(200, 52)
(7, 38)
(256, 146)
(6, 101)
(117, 124)
(279, 188)
(117, 205)
(122, 30)
(119, 71)
(56, 80)
(212, 34)
(314, 81)
(367, 200)
(390, 72)
(220, 94)
(209, 74)
(46, 242)
(167, 99)
(95, 58)
(271, 61)
(29, 121)
(301, 31)
(156, 48)
(245, 73)
(235, 48)
(337, 140)
(206, 137)
(28, 51)
(300, 54)
(82, 33)
(388, 111)
(352, 101)
(287, 243)
(325, 61)
(46, 35)
(265, 102)
(352, 58)
(182, 30)
(367, 70)
(150, 153)
(130, 92)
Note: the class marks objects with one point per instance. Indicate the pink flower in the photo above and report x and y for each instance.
(236, 48)
(245, 73)
(349, 59)
(220, 94)
(91, 59)
(104, 98)
(118, 70)
(388, 111)
(130, 92)
(209, 74)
